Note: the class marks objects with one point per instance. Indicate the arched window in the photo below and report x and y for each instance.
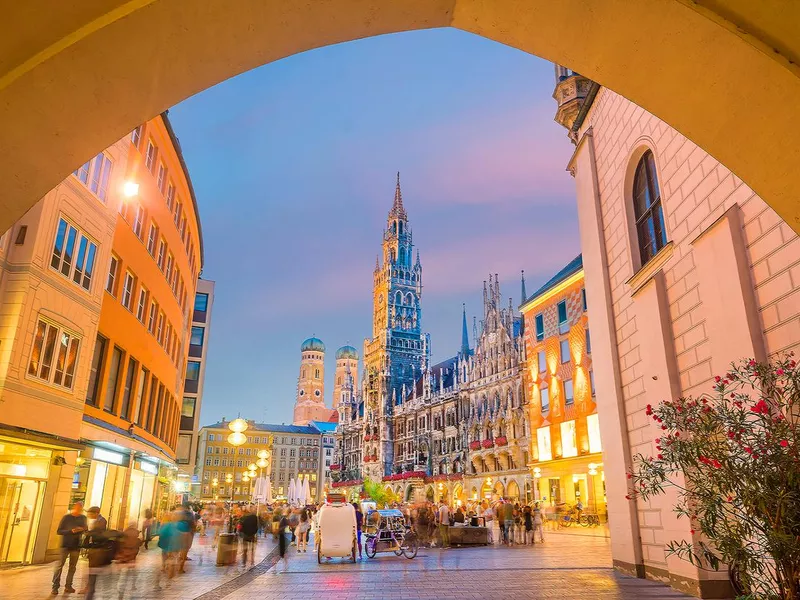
(650, 230)
(401, 228)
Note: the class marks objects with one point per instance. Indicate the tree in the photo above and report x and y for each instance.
(377, 492)
(733, 458)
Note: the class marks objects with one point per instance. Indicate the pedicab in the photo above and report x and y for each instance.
(386, 531)
(336, 529)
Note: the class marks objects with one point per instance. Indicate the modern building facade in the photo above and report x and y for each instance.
(566, 450)
(186, 451)
(53, 263)
(96, 281)
(134, 396)
(686, 270)
(296, 452)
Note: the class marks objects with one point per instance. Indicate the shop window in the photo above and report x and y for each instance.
(54, 355)
(593, 426)
(569, 445)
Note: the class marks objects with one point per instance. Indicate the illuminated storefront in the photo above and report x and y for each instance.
(24, 471)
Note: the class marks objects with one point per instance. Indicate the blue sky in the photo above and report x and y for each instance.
(294, 168)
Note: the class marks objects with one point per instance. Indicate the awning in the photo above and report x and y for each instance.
(38, 438)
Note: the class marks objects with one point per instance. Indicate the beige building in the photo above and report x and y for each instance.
(310, 402)
(687, 269)
(53, 264)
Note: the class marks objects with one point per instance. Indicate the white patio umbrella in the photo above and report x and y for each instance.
(291, 495)
(260, 489)
(268, 485)
(306, 491)
(301, 492)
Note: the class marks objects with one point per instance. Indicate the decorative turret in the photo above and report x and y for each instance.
(574, 94)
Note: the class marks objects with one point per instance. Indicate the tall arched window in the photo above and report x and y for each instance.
(650, 230)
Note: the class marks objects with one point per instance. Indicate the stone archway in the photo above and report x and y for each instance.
(512, 491)
(723, 74)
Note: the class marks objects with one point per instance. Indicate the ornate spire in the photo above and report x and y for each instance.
(464, 334)
(524, 293)
(397, 206)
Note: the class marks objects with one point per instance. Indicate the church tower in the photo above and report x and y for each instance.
(310, 401)
(346, 363)
(393, 357)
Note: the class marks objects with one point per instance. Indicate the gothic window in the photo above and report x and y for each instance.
(401, 228)
(648, 212)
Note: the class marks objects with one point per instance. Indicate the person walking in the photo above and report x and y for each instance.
(302, 531)
(248, 530)
(147, 527)
(537, 523)
(294, 521)
(283, 540)
(488, 521)
(101, 549)
(126, 559)
(527, 521)
(186, 524)
(167, 541)
(444, 524)
(70, 528)
(508, 521)
(359, 525)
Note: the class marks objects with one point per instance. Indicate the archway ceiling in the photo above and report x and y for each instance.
(75, 77)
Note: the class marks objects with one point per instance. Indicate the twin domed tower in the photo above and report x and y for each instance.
(310, 401)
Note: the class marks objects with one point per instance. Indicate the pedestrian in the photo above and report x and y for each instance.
(126, 559)
(359, 525)
(444, 524)
(508, 521)
(101, 549)
(283, 540)
(527, 520)
(248, 531)
(70, 528)
(302, 529)
(458, 517)
(294, 521)
(186, 525)
(168, 542)
(537, 523)
(147, 527)
(500, 519)
(488, 521)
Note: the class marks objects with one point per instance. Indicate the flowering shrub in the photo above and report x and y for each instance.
(733, 459)
(501, 441)
(476, 445)
(335, 467)
(487, 443)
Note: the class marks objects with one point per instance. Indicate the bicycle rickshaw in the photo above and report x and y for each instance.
(386, 531)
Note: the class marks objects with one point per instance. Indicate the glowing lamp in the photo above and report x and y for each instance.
(237, 438)
(130, 189)
(238, 425)
(228, 478)
(263, 455)
(574, 479)
(252, 467)
(245, 477)
(262, 463)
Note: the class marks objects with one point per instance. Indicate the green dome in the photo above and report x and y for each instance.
(347, 352)
(313, 343)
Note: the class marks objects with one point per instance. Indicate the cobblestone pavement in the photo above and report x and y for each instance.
(202, 577)
(565, 567)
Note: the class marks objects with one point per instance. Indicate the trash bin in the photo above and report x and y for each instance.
(226, 549)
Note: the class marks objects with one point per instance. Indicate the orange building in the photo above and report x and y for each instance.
(138, 370)
(565, 434)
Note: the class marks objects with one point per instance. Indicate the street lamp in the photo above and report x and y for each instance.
(214, 484)
(130, 189)
(229, 481)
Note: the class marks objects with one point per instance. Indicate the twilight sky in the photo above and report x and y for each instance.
(294, 168)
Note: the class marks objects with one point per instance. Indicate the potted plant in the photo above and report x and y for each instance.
(734, 460)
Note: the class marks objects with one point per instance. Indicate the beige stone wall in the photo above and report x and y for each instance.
(727, 288)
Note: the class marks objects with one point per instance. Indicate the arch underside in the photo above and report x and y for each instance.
(75, 77)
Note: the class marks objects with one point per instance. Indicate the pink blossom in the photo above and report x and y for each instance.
(784, 443)
(779, 372)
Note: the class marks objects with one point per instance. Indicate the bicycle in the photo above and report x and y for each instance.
(589, 520)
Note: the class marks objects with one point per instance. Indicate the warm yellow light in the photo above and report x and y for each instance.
(488, 481)
(252, 467)
(263, 454)
(592, 466)
(575, 479)
(237, 438)
(130, 189)
(262, 463)
(238, 425)
(245, 477)
(534, 302)
(228, 478)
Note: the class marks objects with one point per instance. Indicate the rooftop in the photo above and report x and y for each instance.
(575, 265)
(269, 427)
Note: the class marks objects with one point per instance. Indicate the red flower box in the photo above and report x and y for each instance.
(348, 483)
(336, 467)
(488, 443)
(476, 445)
(367, 438)
(501, 441)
